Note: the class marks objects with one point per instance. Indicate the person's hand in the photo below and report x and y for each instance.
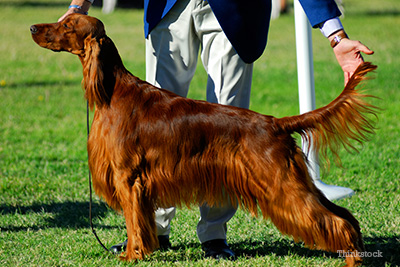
(348, 55)
(69, 11)
(83, 10)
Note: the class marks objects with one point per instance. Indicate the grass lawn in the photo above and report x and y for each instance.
(44, 191)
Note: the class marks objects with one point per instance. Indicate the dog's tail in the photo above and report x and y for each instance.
(346, 118)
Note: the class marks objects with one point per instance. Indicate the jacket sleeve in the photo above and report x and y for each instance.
(319, 11)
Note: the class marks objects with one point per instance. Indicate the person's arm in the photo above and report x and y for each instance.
(324, 14)
(347, 52)
(77, 6)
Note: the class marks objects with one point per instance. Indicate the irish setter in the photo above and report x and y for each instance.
(151, 148)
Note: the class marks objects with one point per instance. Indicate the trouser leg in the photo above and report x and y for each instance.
(229, 83)
(229, 77)
(171, 59)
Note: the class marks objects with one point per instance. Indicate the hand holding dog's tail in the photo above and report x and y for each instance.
(345, 119)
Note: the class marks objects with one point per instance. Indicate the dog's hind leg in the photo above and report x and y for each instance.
(352, 256)
(300, 210)
(139, 218)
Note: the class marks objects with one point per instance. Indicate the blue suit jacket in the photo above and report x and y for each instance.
(245, 23)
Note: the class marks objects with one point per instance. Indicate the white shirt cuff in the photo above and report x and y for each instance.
(330, 26)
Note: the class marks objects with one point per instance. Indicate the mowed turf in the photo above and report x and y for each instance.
(44, 194)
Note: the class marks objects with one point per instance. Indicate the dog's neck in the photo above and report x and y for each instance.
(102, 66)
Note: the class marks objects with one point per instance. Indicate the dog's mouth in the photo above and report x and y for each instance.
(42, 39)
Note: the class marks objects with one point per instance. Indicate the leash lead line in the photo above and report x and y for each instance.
(90, 184)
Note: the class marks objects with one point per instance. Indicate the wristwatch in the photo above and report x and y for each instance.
(336, 40)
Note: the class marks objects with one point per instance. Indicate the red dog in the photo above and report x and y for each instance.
(150, 148)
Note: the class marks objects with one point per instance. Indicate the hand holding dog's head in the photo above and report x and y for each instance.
(71, 34)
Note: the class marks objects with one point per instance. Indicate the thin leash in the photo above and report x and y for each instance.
(90, 184)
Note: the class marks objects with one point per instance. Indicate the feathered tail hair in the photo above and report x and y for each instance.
(345, 119)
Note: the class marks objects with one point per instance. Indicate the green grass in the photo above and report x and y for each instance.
(43, 161)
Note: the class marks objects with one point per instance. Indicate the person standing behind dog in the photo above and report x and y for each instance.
(231, 35)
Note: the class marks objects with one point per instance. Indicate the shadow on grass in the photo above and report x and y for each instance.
(386, 13)
(382, 251)
(387, 247)
(31, 3)
(67, 214)
(121, 3)
(55, 84)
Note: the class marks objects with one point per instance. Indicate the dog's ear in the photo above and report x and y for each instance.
(93, 72)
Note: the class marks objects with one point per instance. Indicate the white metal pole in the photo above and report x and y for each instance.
(305, 73)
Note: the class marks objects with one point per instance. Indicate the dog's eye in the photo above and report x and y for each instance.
(65, 26)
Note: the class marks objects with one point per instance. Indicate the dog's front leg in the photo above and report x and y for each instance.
(140, 222)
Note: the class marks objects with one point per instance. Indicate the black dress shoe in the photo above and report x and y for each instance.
(163, 240)
(218, 249)
(118, 248)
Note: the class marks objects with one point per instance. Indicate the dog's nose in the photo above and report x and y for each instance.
(33, 29)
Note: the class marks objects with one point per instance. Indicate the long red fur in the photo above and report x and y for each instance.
(150, 148)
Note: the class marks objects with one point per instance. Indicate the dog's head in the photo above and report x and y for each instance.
(73, 34)
(84, 36)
